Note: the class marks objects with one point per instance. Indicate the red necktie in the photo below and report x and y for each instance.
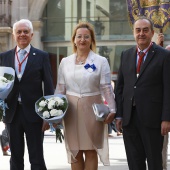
(141, 56)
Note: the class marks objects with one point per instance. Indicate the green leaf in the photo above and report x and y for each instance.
(8, 76)
(59, 135)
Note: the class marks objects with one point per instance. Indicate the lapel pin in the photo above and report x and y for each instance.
(34, 54)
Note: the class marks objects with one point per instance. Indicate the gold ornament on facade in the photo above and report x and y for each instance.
(158, 18)
(135, 13)
(134, 4)
(157, 10)
(146, 3)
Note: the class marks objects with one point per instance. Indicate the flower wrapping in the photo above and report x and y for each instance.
(7, 76)
(52, 108)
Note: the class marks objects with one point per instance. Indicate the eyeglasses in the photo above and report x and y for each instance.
(85, 37)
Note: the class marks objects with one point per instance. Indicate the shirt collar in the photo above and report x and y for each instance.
(145, 48)
(27, 49)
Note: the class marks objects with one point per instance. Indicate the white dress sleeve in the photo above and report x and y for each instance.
(106, 87)
(108, 94)
(61, 87)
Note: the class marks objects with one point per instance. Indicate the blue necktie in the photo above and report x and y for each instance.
(21, 55)
(21, 68)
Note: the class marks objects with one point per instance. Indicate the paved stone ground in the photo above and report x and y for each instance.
(56, 159)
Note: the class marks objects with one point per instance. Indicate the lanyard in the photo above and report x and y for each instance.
(20, 63)
(144, 53)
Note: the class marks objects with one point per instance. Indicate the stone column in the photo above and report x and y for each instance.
(23, 9)
(6, 39)
(36, 41)
(5, 13)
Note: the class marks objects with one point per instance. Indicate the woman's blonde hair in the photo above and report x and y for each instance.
(90, 27)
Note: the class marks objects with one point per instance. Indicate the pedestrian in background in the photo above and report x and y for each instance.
(33, 80)
(84, 77)
(143, 98)
(160, 39)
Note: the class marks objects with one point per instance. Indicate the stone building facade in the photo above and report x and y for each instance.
(13, 10)
(54, 20)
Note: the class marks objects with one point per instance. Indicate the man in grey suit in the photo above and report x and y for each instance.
(143, 97)
(33, 79)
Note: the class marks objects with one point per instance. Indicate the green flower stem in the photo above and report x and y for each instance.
(59, 135)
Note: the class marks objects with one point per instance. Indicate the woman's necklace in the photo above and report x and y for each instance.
(80, 62)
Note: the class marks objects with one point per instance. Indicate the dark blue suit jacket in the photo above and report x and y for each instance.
(151, 90)
(30, 86)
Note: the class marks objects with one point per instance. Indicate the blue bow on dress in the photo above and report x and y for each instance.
(90, 66)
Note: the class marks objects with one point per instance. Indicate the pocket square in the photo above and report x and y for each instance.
(101, 111)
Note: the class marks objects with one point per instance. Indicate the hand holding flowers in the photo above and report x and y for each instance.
(52, 109)
(7, 75)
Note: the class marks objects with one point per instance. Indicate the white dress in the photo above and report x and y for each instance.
(84, 87)
(83, 137)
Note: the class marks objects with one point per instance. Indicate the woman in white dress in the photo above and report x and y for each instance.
(84, 77)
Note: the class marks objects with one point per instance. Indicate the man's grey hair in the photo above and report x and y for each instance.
(23, 21)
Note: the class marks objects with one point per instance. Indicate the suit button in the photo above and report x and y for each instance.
(134, 87)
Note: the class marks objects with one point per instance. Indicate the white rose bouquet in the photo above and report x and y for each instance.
(52, 109)
(7, 75)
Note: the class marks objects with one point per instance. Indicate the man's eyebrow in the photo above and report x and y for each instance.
(142, 28)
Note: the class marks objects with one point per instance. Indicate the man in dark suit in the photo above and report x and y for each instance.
(143, 99)
(33, 79)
